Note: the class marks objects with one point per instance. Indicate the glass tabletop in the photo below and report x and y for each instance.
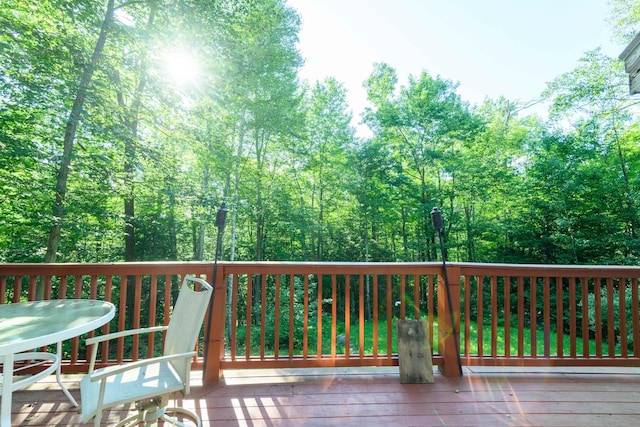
(28, 325)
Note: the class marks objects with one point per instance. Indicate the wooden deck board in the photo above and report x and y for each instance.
(375, 397)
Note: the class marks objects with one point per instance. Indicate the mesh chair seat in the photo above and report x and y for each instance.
(150, 382)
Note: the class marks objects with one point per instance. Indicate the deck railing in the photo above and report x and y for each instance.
(143, 294)
(325, 314)
(555, 315)
(342, 314)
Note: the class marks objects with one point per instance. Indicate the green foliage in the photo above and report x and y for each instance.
(153, 159)
(620, 301)
(624, 18)
(292, 307)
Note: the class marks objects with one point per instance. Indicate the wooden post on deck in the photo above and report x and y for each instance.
(446, 339)
(414, 351)
(215, 337)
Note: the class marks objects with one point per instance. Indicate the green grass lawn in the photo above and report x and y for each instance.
(526, 345)
(382, 341)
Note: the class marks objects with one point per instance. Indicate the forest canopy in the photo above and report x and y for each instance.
(125, 125)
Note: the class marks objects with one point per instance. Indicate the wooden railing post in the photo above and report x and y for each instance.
(446, 338)
(215, 336)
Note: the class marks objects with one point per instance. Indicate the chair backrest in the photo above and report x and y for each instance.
(186, 320)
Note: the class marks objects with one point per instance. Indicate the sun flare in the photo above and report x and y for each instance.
(180, 67)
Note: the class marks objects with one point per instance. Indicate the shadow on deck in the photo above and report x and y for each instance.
(375, 397)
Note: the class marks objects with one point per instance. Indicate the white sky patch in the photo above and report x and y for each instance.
(123, 17)
(492, 48)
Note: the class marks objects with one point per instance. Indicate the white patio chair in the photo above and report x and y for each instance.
(150, 382)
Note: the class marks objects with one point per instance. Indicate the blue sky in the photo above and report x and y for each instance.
(492, 47)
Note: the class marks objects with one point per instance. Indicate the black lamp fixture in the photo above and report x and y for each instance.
(221, 216)
(436, 219)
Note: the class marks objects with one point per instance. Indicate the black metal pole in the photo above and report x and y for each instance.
(221, 219)
(436, 219)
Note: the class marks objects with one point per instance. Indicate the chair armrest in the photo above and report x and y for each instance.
(126, 333)
(114, 335)
(108, 372)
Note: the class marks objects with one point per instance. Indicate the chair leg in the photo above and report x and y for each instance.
(149, 412)
(182, 411)
(152, 418)
(133, 420)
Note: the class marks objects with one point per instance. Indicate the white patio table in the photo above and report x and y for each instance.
(30, 325)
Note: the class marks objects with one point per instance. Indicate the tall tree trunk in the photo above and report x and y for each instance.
(628, 202)
(260, 217)
(405, 240)
(199, 221)
(430, 252)
(130, 121)
(77, 109)
(320, 248)
(470, 244)
(199, 243)
(260, 153)
(367, 292)
(234, 213)
(314, 233)
(173, 237)
(69, 140)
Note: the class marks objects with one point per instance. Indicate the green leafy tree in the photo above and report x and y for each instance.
(79, 98)
(266, 57)
(323, 154)
(50, 54)
(624, 18)
(425, 122)
(489, 170)
(593, 100)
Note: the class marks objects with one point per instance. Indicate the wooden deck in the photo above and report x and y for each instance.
(374, 397)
